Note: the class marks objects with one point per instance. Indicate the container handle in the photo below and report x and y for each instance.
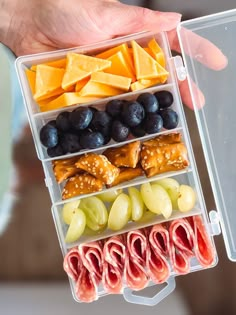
(129, 295)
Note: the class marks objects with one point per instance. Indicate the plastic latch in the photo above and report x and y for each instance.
(179, 68)
(214, 223)
(48, 182)
(129, 295)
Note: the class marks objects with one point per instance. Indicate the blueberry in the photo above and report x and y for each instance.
(52, 123)
(55, 151)
(149, 102)
(114, 107)
(164, 98)
(49, 136)
(119, 132)
(133, 113)
(138, 131)
(101, 122)
(170, 118)
(91, 140)
(62, 121)
(153, 123)
(70, 142)
(93, 109)
(80, 118)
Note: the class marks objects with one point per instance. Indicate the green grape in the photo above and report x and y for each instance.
(95, 211)
(156, 199)
(137, 204)
(69, 209)
(120, 212)
(187, 198)
(109, 196)
(76, 227)
(163, 202)
(172, 187)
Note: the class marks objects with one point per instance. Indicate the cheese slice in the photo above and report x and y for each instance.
(119, 66)
(48, 80)
(124, 49)
(49, 95)
(145, 65)
(31, 77)
(66, 99)
(98, 89)
(81, 84)
(157, 52)
(60, 63)
(116, 81)
(144, 83)
(80, 67)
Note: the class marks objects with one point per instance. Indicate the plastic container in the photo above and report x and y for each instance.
(213, 122)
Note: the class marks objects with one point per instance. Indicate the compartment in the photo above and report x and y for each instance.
(156, 207)
(140, 258)
(136, 175)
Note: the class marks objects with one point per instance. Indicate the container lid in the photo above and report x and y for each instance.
(217, 119)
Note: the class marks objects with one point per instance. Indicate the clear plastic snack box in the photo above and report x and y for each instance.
(216, 123)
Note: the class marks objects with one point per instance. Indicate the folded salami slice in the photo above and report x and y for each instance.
(86, 286)
(159, 239)
(180, 261)
(182, 236)
(204, 249)
(137, 245)
(135, 274)
(157, 265)
(73, 264)
(114, 252)
(92, 258)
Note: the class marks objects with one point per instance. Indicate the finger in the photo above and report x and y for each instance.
(198, 48)
(188, 94)
(122, 19)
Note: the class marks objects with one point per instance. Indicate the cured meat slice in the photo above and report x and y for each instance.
(157, 265)
(135, 274)
(180, 261)
(72, 264)
(159, 239)
(86, 286)
(137, 245)
(112, 278)
(92, 258)
(114, 252)
(182, 236)
(204, 249)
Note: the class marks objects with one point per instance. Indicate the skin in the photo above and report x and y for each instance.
(28, 27)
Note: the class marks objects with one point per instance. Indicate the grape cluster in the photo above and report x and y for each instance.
(88, 128)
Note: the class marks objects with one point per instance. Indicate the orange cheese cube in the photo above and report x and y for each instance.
(80, 67)
(119, 66)
(31, 76)
(66, 99)
(98, 89)
(48, 81)
(116, 81)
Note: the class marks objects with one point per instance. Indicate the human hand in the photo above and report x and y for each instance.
(42, 25)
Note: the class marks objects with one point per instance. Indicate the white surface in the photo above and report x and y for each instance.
(55, 298)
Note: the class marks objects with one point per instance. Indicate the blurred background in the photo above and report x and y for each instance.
(32, 280)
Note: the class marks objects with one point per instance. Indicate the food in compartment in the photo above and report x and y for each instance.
(121, 207)
(90, 128)
(80, 78)
(76, 227)
(137, 257)
(120, 164)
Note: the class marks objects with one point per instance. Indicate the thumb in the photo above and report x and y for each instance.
(126, 19)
